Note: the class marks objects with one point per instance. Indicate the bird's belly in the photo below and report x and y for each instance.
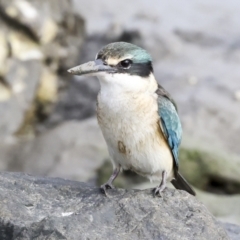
(149, 160)
(136, 142)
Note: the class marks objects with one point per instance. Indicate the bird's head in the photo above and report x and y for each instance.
(119, 63)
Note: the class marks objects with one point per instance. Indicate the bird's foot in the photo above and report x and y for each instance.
(106, 186)
(158, 190)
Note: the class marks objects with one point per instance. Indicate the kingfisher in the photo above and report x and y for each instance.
(137, 116)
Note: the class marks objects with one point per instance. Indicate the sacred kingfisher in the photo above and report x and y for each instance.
(137, 116)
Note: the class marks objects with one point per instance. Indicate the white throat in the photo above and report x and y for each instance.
(121, 83)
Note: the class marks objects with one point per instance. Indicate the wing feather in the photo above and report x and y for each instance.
(169, 123)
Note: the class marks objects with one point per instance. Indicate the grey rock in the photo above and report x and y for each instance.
(39, 40)
(22, 81)
(44, 208)
(226, 208)
(210, 171)
(53, 24)
(77, 101)
(233, 230)
(73, 150)
(3, 53)
(198, 38)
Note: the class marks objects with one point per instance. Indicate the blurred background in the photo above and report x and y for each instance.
(47, 118)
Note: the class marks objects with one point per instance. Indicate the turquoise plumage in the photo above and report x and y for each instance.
(172, 130)
(170, 123)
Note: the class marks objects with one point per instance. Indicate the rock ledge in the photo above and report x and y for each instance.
(52, 208)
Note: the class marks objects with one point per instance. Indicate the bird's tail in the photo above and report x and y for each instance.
(180, 183)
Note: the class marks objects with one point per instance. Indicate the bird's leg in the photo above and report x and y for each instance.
(108, 184)
(158, 190)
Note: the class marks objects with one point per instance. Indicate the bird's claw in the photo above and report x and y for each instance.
(158, 191)
(106, 186)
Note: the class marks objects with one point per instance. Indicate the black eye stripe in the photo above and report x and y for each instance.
(143, 69)
(139, 69)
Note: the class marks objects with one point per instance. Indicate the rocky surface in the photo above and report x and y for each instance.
(38, 40)
(226, 208)
(210, 172)
(73, 150)
(21, 81)
(76, 150)
(232, 230)
(45, 208)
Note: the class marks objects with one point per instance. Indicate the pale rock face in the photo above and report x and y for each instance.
(128, 117)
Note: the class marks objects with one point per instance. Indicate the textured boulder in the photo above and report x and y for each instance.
(38, 40)
(233, 230)
(22, 81)
(225, 208)
(51, 28)
(44, 208)
(73, 150)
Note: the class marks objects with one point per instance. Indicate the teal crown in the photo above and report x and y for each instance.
(120, 50)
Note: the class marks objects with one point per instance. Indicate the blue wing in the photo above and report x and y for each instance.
(172, 130)
(170, 123)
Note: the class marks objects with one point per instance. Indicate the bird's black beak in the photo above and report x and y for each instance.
(91, 68)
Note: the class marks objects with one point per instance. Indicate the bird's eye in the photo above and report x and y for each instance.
(126, 63)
